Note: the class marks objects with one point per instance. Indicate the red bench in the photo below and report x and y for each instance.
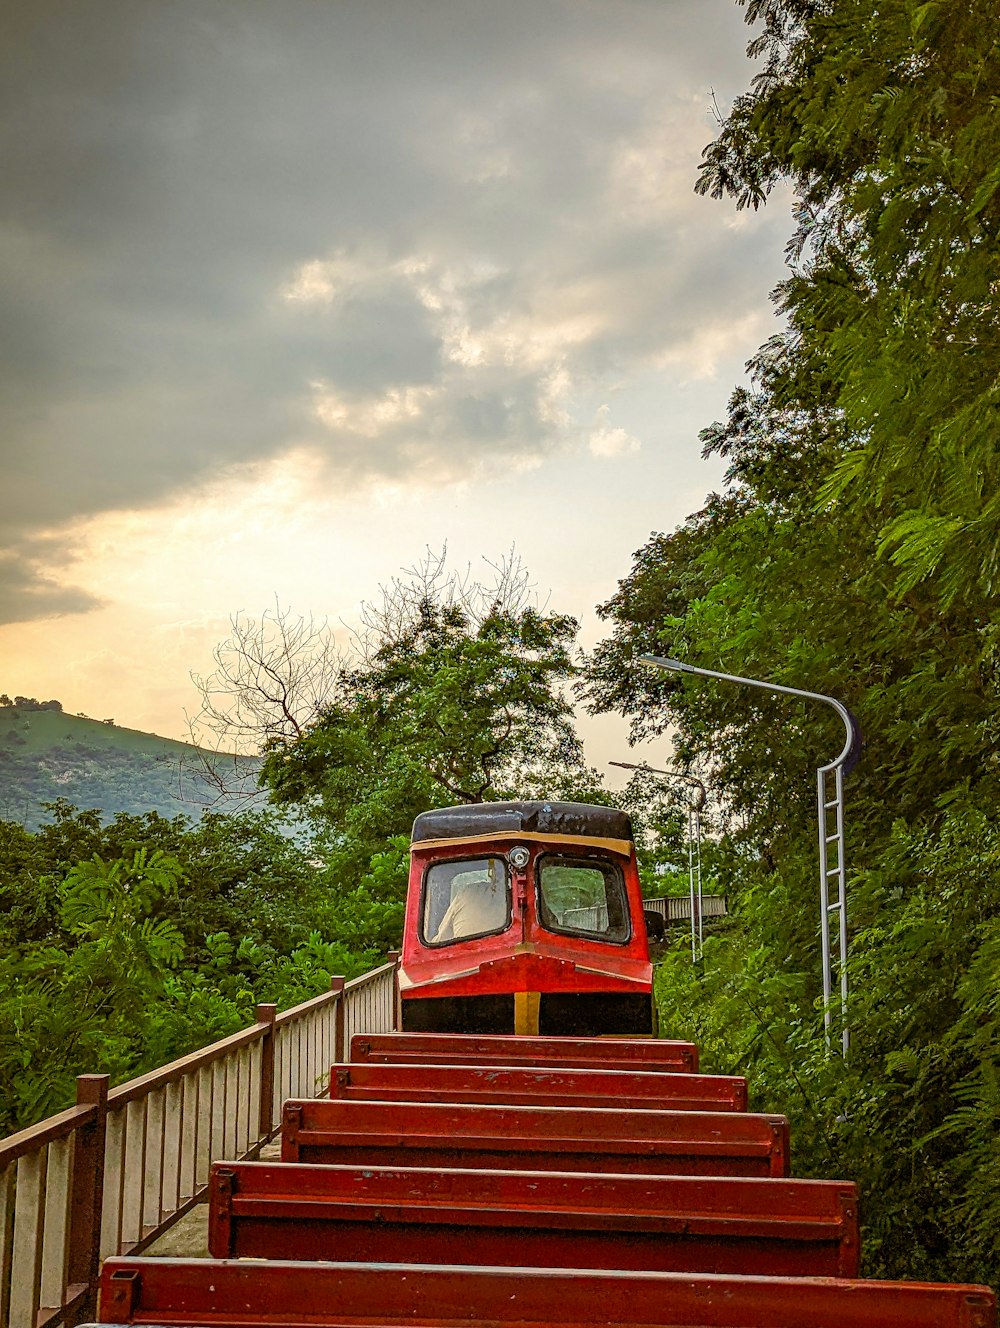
(437, 1134)
(328, 1295)
(649, 1223)
(541, 1086)
(492, 1049)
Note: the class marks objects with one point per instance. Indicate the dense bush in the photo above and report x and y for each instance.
(125, 945)
(854, 551)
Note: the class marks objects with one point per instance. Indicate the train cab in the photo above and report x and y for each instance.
(525, 917)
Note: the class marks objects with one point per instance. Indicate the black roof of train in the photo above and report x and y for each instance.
(579, 819)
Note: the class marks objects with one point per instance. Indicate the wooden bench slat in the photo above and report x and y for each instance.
(349, 1295)
(671, 1223)
(534, 1138)
(565, 1086)
(654, 1054)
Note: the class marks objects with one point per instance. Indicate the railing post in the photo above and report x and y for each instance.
(339, 1023)
(265, 1014)
(87, 1193)
(397, 1005)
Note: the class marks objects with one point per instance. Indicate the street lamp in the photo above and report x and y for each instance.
(696, 803)
(830, 812)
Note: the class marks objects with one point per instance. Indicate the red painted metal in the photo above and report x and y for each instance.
(526, 956)
(534, 1138)
(537, 1086)
(666, 1223)
(650, 1054)
(351, 1295)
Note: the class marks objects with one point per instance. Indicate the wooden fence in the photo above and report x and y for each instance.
(114, 1172)
(677, 908)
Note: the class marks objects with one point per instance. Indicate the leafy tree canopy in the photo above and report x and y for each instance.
(854, 552)
(450, 691)
(882, 115)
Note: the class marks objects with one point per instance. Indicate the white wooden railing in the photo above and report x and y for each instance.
(114, 1172)
(677, 908)
(671, 908)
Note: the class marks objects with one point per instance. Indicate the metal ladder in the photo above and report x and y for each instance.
(833, 882)
(694, 875)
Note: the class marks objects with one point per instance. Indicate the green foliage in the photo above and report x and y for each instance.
(854, 552)
(913, 1114)
(128, 944)
(108, 910)
(63, 1005)
(883, 116)
(454, 695)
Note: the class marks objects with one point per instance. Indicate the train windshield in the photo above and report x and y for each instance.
(583, 897)
(465, 899)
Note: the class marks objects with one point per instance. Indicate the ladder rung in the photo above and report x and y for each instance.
(832, 908)
(829, 806)
(832, 839)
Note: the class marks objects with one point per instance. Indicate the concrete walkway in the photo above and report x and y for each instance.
(188, 1238)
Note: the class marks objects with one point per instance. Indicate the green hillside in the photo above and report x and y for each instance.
(47, 754)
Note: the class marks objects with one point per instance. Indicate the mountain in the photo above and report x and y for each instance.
(47, 754)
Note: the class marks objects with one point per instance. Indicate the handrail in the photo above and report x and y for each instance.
(325, 997)
(177, 1069)
(305, 1008)
(112, 1173)
(365, 979)
(44, 1132)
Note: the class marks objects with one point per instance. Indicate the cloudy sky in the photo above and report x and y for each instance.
(293, 291)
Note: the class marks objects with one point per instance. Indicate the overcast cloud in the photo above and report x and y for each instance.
(420, 239)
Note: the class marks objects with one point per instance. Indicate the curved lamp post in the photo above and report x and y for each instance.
(830, 817)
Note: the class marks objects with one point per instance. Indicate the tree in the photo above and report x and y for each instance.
(123, 946)
(449, 691)
(882, 115)
(272, 677)
(65, 1008)
(453, 692)
(854, 551)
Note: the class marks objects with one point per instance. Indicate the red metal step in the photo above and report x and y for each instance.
(494, 1049)
(666, 1223)
(541, 1086)
(434, 1134)
(328, 1295)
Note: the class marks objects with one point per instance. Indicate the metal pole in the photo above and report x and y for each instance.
(842, 765)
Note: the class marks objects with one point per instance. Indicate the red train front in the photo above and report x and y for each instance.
(525, 917)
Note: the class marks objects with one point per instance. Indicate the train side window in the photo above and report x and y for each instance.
(583, 897)
(465, 899)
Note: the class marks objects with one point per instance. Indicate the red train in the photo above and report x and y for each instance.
(525, 917)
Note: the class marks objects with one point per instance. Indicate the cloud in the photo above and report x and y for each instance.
(608, 443)
(413, 240)
(27, 594)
